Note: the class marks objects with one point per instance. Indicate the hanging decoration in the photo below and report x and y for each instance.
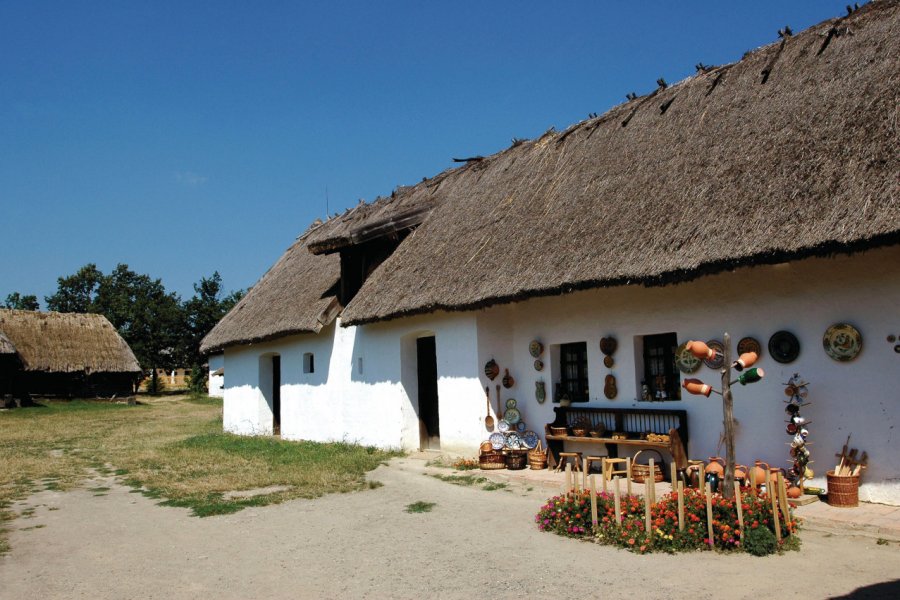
(717, 360)
(797, 426)
(842, 342)
(540, 391)
(608, 346)
(749, 344)
(784, 347)
(508, 380)
(491, 369)
(686, 361)
(535, 348)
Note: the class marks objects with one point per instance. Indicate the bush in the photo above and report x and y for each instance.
(760, 542)
(570, 515)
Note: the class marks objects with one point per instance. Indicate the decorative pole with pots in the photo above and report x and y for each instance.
(697, 387)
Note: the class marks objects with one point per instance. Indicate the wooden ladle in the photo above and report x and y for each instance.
(488, 420)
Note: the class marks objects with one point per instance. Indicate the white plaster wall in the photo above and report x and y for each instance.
(361, 390)
(861, 397)
(216, 383)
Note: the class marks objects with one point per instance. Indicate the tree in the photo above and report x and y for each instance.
(201, 313)
(20, 302)
(76, 293)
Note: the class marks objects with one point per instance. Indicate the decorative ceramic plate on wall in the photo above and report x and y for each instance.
(503, 425)
(538, 365)
(530, 439)
(498, 440)
(685, 361)
(749, 344)
(718, 360)
(842, 342)
(510, 403)
(520, 426)
(784, 346)
(512, 416)
(536, 348)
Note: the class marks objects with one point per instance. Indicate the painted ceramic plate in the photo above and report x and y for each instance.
(514, 440)
(784, 346)
(842, 342)
(503, 426)
(685, 361)
(498, 440)
(512, 416)
(520, 426)
(608, 362)
(538, 365)
(510, 403)
(530, 439)
(536, 348)
(749, 344)
(718, 361)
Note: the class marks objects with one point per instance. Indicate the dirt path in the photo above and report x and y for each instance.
(474, 544)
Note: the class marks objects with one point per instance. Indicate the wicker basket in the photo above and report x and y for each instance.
(640, 473)
(581, 427)
(537, 458)
(486, 446)
(558, 430)
(516, 461)
(843, 491)
(492, 460)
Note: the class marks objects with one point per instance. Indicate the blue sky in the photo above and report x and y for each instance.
(187, 137)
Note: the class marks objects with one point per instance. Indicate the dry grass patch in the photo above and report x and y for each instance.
(169, 448)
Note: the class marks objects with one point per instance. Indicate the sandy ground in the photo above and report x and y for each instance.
(474, 544)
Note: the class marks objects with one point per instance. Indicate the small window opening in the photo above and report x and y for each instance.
(309, 363)
(573, 379)
(662, 380)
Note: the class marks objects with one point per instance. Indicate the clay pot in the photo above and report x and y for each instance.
(741, 473)
(697, 387)
(717, 466)
(745, 361)
(773, 475)
(700, 350)
(794, 492)
(759, 472)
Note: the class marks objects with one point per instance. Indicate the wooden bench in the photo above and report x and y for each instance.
(631, 421)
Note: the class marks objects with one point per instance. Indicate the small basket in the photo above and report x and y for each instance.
(537, 458)
(579, 431)
(486, 446)
(640, 473)
(581, 427)
(516, 461)
(492, 460)
(558, 430)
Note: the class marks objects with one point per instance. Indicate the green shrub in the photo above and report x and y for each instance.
(760, 542)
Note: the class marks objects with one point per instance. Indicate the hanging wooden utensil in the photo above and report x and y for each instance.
(488, 420)
(508, 380)
(499, 404)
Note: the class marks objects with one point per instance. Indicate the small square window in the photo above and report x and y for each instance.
(662, 380)
(573, 373)
(309, 363)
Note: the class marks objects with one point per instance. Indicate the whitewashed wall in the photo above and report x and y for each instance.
(861, 397)
(364, 386)
(216, 383)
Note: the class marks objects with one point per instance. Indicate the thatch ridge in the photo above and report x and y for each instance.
(788, 153)
(6, 346)
(297, 295)
(66, 342)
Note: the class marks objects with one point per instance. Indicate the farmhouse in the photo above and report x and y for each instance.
(758, 198)
(63, 354)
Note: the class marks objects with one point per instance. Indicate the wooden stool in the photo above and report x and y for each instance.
(592, 459)
(563, 456)
(609, 466)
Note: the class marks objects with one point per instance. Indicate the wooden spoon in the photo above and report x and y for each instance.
(488, 420)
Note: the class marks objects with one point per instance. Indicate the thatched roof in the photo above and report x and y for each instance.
(6, 346)
(66, 342)
(297, 295)
(790, 152)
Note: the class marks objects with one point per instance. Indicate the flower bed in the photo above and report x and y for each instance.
(570, 515)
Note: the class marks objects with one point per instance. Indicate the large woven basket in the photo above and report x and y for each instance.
(537, 457)
(843, 491)
(516, 461)
(492, 460)
(640, 473)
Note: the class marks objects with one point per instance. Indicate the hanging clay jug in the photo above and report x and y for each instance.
(540, 391)
(716, 465)
(693, 473)
(610, 390)
(741, 473)
(759, 472)
(491, 369)
(508, 380)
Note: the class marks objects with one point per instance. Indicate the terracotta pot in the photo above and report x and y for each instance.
(700, 349)
(741, 473)
(773, 475)
(716, 465)
(759, 472)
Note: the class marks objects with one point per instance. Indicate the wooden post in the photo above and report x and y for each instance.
(650, 483)
(753, 478)
(673, 475)
(728, 409)
(773, 494)
(628, 475)
(709, 518)
(680, 506)
(782, 500)
(618, 503)
(594, 500)
(584, 473)
(648, 519)
(568, 477)
(702, 479)
(603, 475)
(737, 504)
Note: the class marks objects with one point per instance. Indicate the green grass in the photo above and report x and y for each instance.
(420, 507)
(465, 480)
(169, 448)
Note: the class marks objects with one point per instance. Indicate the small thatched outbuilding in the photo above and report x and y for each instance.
(63, 354)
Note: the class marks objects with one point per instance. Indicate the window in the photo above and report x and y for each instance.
(309, 363)
(660, 373)
(573, 381)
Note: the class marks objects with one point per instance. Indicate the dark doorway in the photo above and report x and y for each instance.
(276, 395)
(429, 428)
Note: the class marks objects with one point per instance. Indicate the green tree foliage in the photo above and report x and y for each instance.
(20, 302)
(76, 293)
